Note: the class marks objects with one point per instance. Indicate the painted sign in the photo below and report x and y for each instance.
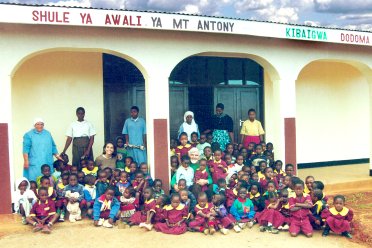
(74, 16)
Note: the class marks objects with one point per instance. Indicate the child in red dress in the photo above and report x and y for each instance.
(271, 218)
(128, 204)
(204, 220)
(43, 213)
(161, 202)
(201, 173)
(217, 167)
(338, 218)
(144, 217)
(183, 148)
(284, 210)
(175, 216)
(299, 207)
(224, 220)
(269, 176)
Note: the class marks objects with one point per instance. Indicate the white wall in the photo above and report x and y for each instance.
(332, 113)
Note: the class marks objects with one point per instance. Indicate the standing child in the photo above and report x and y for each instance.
(173, 165)
(106, 209)
(43, 213)
(217, 167)
(299, 207)
(128, 204)
(230, 151)
(45, 182)
(309, 181)
(24, 198)
(194, 139)
(338, 218)
(208, 155)
(269, 177)
(175, 217)
(145, 169)
(243, 209)
(144, 217)
(121, 153)
(252, 130)
(289, 170)
(204, 220)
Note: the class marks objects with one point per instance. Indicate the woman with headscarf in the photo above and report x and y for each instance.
(189, 125)
(38, 149)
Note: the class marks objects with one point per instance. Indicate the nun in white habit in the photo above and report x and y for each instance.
(189, 126)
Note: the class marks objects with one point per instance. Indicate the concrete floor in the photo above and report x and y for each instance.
(343, 178)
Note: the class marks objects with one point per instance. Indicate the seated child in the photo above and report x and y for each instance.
(318, 206)
(128, 160)
(232, 193)
(184, 172)
(24, 198)
(133, 168)
(201, 173)
(243, 209)
(256, 198)
(57, 170)
(161, 202)
(140, 183)
(90, 169)
(204, 216)
(185, 200)
(220, 187)
(175, 217)
(299, 207)
(43, 213)
(89, 193)
(224, 220)
(284, 199)
(106, 208)
(145, 170)
(81, 176)
(144, 217)
(207, 154)
(338, 218)
(73, 187)
(182, 186)
(271, 218)
(45, 171)
(128, 204)
(61, 201)
(157, 188)
(320, 185)
(123, 182)
(262, 165)
(278, 172)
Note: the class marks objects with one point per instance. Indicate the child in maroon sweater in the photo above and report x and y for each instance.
(204, 220)
(217, 167)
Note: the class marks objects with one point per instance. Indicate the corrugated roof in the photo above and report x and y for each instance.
(184, 14)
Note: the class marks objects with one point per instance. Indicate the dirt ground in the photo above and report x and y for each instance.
(84, 234)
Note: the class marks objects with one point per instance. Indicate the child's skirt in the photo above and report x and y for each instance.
(272, 216)
(226, 222)
(138, 217)
(249, 139)
(338, 225)
(175, 230)
(201, 222)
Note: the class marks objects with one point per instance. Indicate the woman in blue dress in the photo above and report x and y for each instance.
(38, 149)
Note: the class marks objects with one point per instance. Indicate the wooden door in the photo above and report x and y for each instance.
(178, 105)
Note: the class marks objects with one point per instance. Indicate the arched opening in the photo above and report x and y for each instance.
(333, 113)
(52, 84)
(198, 83)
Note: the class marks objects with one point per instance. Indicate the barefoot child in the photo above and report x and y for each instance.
(338, 218)
(106, 209)
(43, 213)
(175, 216)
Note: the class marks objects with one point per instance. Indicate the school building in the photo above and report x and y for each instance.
(311, 86)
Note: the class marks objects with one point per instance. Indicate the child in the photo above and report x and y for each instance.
(201, 173)
(159, 215)
(158, 188)
(262, 165)
(229, 151)
(115, 176)
(123, 182)
(278, 172)
(258, 156)
(208, 155)
(121, 153)
(57, 170)
(89, 193)
(24, 198)
(269, 176)
(173, 165)
(33, 186)
(217, 167)
(220, 187)
(90, 169)
(45, 171)
(182, 186)
(289, 170)
(132, 171)
(202, 144)
(243, 209)
(144, 217)
(204, 220)
(338, 218)
(284, 200)
(102, 183)
(286, 183)
(184, 172)
(255, 196)
(185, 200)
(61, 201)
(106, 208)
(128, 160)
(317, 209)
(239, 163)
(173, 145)
(81, 176)
(140, 183)
(271, 218)
(194, 139)
(309, 184)
(45, 182)
(65, 167)
(72, 187)
(224, 220)
(232, 193)
(184, 147)
(74, 169)
(252, 130)
(145, 169)
(209, 138)
(320, 185)
(43, 213)
(175, 216)
(128, 204)
(299, 207)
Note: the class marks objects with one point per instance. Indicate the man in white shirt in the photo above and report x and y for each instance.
(81, 133)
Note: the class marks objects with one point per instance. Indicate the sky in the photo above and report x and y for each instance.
(348, 14)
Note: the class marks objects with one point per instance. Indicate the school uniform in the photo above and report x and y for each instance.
(159, 215)
(182, 150)
(263, 182)
(141, 216)
(270, 215)
(90, 172)
(252, 131)
(201, 175)
(257, 200)
(338, 222)
(223, 217)
(316, 212)
(51, 193)
(231, 195)
(41, 210)
(243, 210)
(173, 216)
(218, 172)
(201, 221)
(300, 219)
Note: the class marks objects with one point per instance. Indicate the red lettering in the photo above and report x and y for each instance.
(108, 20)
(35, 15)
(116, 19)
(125, 21)
(139, 21)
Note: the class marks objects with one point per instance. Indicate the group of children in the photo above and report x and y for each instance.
(216, 191)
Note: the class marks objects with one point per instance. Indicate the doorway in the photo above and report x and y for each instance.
(198, 83)
(123, 87)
